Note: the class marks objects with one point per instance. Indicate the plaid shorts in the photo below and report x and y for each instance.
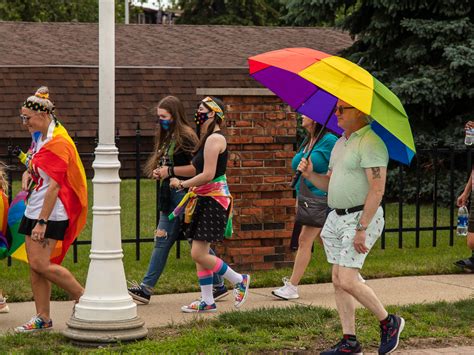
(338, 238)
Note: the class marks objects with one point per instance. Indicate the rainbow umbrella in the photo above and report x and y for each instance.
(311, 82)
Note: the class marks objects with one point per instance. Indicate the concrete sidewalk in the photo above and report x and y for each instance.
(165, 309)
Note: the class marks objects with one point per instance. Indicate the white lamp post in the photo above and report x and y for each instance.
(106, 312)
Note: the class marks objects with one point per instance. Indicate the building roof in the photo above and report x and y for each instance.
(76, 44)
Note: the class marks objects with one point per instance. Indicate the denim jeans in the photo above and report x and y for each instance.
(163, 245)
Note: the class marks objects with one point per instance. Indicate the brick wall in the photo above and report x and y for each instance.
(261, 132)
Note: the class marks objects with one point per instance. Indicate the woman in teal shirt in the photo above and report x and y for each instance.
(320, 154)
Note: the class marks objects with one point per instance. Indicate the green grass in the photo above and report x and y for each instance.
(272, 329)
(179, 275)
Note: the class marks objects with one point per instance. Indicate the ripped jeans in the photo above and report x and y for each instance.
(163, 244)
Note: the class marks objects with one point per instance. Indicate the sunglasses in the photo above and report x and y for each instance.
(341, 108)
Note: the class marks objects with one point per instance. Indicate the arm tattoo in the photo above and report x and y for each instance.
(376, 173)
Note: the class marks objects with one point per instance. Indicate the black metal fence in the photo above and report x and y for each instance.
(434, 178)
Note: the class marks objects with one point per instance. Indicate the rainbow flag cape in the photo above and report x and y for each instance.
(60, 160)
(4, 242)
(15, 214)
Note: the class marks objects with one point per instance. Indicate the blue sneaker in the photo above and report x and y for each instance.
(199, 307)
(344, 347)
(390, 334)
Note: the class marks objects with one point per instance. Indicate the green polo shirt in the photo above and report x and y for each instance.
(348, 185)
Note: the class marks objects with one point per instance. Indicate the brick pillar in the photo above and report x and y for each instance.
(261, 132)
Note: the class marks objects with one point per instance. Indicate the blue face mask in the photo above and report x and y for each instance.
(165, 124)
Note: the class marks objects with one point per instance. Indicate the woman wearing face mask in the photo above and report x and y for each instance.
(209, 207)
(56, 206)
(174, 143)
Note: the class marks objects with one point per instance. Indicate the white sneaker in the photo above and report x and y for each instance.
(361, 279)
(287, 292)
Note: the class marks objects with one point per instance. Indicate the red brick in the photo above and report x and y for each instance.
(276, 163)
(254, 147)
(251, 211)
(263, 139)
(252, 115)
(273, 179)
(285, 154)
(243, 124)
(263, 250)
(285, 202)
(263, 202)
(252, 180)
(250, 195)
(275, 116)
(252, 163)
(263, 155)
(239, 140)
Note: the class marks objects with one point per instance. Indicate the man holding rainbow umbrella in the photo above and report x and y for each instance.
(374, 125)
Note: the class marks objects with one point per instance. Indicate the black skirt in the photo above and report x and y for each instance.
(54, 229)
(208, 222)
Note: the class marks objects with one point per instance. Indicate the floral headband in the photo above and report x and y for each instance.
(34, 104)
(213, 106)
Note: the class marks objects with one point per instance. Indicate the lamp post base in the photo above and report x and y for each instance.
(96, 333)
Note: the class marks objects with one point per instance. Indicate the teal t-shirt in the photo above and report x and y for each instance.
(320, 156)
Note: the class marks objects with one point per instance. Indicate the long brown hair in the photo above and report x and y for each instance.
(3, 178)
(180, 130)
(216, 121)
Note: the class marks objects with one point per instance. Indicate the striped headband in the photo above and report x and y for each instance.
(213, 106)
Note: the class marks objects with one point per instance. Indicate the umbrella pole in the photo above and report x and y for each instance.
(298, 173)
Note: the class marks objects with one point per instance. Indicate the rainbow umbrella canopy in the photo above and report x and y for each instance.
(311, 82)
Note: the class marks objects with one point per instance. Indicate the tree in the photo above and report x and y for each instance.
(57, 10)
(423, 50)
(231, 12)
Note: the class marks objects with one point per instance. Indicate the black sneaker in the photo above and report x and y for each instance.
(344, 347)
(390, 334)
(137, 293)
(219, 292)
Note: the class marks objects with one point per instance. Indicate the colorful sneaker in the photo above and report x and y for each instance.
(34, 324)
(3, 305)
(390, 334)
(219, 292)
(137, 293)
(287, 291)
(199, 307)
(241, 291)
(344, 347)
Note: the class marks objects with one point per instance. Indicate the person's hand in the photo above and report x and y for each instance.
(305, 166)
(156, 174)
(163, 172)
(469, 125)
(37, 234)
(359, 242)
(174, 183)
(25, 180)
(462, 199)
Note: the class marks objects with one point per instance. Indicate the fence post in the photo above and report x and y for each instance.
(417, 213)
(451, 197)
(10, 181)
(74, 245)
(400, 206)
(435, 194)
(137, 191)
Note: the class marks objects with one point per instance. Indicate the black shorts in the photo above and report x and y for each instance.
(54, 229)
